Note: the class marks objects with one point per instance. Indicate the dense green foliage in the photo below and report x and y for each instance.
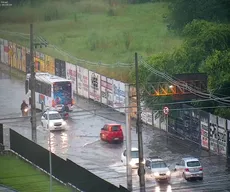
(206, 48)
(184, 11)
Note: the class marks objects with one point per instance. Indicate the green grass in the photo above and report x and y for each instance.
(95, 31)
(23, 177)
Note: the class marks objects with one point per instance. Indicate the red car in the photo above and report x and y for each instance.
(112, 133)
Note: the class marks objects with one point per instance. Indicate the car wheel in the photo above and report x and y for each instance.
(184, 177)
(201, 178)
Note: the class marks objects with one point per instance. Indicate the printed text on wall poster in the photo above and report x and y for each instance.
(104, 94)
(82, 82)
(109, 92)
(71, 74)
(94, 86)
(119, 96)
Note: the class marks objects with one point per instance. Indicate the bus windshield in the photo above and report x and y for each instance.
(62, 92)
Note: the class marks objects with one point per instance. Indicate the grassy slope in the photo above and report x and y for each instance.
(85, 29)
(23, 177)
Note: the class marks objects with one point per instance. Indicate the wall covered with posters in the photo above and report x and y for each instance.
(5, 52)
(83, 82)
(204, 127)
(39, 61)
(104, 94)
(119, 96)
(207, 130)
(94, 86)
(71, 74)
(49, 64)
(60, 68)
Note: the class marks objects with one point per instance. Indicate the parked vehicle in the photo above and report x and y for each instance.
(134, 158)
(190, 167)
(112, 133)
(158, 169)
(56, 122)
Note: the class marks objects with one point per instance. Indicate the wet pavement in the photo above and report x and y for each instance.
(81, 143)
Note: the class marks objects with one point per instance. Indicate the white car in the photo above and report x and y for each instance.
(134, 158)
(56, 123)
(158, 169)
(189, 168)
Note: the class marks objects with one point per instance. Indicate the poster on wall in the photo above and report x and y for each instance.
(204, 123)
(109, 92)
(222, 135)
(147, 116)
(213, 133)
(19, 57)
(82, 82)
(71, 74)
(28, 69)
(133, 101)
(1, 50)
(104, 94)
(119, 96)
(6, 50)
(60, 68)
(94, 86)
(49, 65)
(39, 61)
(10, 53)
(15, 64)
(24, 59)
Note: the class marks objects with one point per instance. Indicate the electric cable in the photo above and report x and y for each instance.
(183, 85)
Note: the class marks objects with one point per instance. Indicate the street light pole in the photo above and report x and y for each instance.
(128, 138)
(32, 88)
(141, 170)
(50, 153)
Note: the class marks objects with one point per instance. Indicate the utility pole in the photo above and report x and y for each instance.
(32, 81)
(141, 169)
(128, 138)
(50, 152)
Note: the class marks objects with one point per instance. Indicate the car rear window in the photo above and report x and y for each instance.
(116, 128)
(193, 163)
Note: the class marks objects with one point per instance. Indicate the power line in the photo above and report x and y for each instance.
(183, 85)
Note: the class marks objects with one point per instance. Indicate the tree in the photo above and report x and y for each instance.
(184, 11)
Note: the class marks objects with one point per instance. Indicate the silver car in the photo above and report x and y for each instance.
(158, 169)
(190, 167)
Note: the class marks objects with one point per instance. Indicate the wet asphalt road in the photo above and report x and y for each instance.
(81, 143)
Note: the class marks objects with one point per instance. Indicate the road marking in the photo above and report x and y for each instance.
(86, 144)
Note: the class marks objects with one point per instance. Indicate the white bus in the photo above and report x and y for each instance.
(51, 90)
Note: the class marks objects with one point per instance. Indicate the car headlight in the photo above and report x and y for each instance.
(51, 124)
(156, 174)
(168, 173)
(64, 123)
(131, 163)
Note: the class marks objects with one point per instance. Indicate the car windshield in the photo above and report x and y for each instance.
(54, 116)
(193, 164)
(134, 154)
(159, 164)
(115, 127)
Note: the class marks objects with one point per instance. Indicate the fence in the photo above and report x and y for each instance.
(209, 131)
(64, 170)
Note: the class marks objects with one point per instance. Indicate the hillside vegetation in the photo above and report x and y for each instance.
(107, 31)
(205, 28)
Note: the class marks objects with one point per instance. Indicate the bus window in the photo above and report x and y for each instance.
(26, 86)
(38, 87)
